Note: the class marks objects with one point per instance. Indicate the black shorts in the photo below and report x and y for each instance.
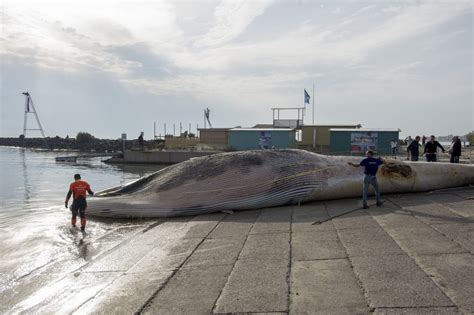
(79, 205)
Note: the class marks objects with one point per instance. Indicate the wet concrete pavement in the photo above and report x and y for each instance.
(415, 254)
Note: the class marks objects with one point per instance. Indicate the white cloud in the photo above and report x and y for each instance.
(328, 45)
(220, 58)
(73, 37)
(231, 18)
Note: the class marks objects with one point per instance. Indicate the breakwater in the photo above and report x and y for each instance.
(58, 143)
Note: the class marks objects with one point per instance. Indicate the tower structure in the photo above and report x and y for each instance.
(30, 109)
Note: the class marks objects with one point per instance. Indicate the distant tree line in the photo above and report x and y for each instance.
(84, 141)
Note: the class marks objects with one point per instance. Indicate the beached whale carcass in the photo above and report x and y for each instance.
(264, 178)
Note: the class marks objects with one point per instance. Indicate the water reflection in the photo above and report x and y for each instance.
(26, 184)
(35, 234)
(83, 248)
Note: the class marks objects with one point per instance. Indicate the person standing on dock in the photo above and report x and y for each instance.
(141, 142)
(455, 150)
(394, 147)
(371, 166)
(414, 149)
(430, 149)
(78, 189)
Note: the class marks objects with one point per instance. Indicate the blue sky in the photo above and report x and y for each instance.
(108, 67)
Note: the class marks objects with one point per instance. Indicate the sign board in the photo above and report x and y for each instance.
(124, 136)
(265, 140)
(287, 123)
(363, 141)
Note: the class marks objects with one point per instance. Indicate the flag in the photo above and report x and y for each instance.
(27, 104)
(306, 97)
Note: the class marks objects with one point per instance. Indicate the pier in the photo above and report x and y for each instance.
(73, 158)
(415, 255)
(158, 157)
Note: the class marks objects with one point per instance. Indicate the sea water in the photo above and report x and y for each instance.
(35, 228)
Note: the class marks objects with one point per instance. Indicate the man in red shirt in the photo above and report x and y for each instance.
(78, 189)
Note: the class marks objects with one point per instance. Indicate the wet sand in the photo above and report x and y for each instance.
(415, 254)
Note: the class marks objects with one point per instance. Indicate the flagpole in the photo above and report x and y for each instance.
(304, 105)
(313, 103)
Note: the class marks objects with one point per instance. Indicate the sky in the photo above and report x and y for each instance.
(108, 67)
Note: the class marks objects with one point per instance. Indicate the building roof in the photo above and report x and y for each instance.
(367, 129)
(262, 129)
(332, 125)
(214, 129)
(263, 126)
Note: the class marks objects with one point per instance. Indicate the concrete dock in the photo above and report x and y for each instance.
(158, 157)
(413, 255)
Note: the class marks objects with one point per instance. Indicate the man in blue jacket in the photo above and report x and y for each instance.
(371, 166)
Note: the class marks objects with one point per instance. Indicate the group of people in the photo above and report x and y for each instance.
(371, 164)
(431, 148)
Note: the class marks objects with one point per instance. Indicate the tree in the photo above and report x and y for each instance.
(470, 138)
(84, 137)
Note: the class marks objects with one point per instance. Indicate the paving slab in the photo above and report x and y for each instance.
(166, 256)
(11, 296)
(67, 294)
(442, 197)
(454, 274)
(266, 247)
(418, 311)
(235, 225)
(201, 225)
(256, 286)
(129, 253)
(464, 208)
(461, 233)
(397, 218)
(276, 219)
(135, 289)
(218, 251)
(422, 239)
(356, 220)
(190, 291)
(397, 281)
(326, 287)
(465, 193)
(435, 213)
(306, 214)
(339, 206)
(409, 200)
(416, 237)
(316, 245)
(368, 242)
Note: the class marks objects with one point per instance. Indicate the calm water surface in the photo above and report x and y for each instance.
(34, 224)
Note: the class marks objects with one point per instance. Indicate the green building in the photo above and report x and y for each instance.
(261, 138)
(357, 141)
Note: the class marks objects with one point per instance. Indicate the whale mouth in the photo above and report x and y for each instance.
(127, 188)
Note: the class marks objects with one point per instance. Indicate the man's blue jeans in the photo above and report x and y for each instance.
(370, 180)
